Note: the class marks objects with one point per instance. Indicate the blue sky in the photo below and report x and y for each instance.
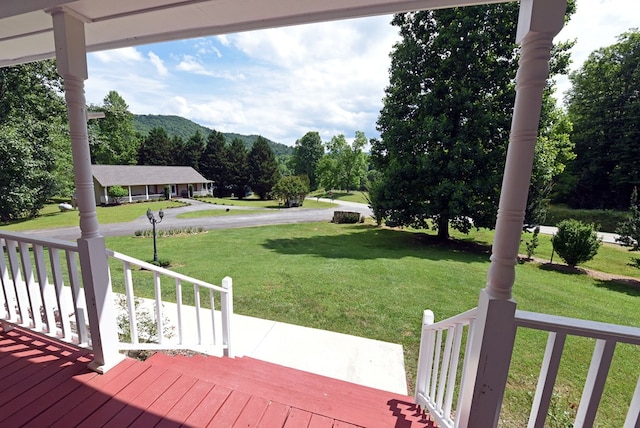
(283, 82)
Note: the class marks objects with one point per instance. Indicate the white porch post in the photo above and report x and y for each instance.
(130, 200)
(146, 192)
(494, 333)
(106, 194)
(72, 66)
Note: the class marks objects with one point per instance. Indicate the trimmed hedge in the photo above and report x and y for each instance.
(345, 217)
(604, 220)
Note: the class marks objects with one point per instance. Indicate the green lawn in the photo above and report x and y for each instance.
(51, 216)
(257, 203)
(374, 282)
(354, 196)
(220, 213)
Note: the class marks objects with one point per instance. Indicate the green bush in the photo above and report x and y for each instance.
(117, 193)
(576, 242)
(605, 220)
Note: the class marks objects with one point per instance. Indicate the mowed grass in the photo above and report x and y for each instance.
(353, 196)
(376, 282)
(51, 216)
(220, 213)
(254, 202)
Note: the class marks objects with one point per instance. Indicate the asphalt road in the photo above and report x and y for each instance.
(170, 220)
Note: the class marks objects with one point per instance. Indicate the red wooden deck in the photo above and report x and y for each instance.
(45, 383)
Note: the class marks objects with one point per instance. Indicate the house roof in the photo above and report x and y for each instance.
(140, 175)
(26, 27)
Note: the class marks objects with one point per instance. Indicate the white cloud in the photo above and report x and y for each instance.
(158, 63)
(119, 55)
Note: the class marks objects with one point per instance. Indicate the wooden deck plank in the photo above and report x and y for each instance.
(123, 398)
(76, 396)
(209, 406)
(143, 400)
(252, 412)
(43, 386)
(231, 410)
(319, 421)
(274, 416)
(298, 418)
(160, 407)
(187, 404)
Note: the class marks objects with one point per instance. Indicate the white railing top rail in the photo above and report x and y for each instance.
(462, 318)
(578, 327)
(45, 242)
(163, 271)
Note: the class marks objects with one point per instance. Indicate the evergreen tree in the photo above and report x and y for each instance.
(189, 153)
(306, 155)
(238, 167)
(214, 163)
(263, 168)
(156, 149)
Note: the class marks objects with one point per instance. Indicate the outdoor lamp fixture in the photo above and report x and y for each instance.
(153, 221)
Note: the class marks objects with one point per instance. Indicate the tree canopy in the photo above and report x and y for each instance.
(238, 165)
(307, 153)
(344, 165)
(604, 106)
(263, 168)
(446, 117)
(113, 138)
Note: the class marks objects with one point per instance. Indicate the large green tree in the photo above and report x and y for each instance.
(237, 157)
(190, 152)
(156, 149)
(344, 165)
(307, 153)
(113, 138)
(446, 117)
(263, 168)
(35, 153)
(604, 106)
(214, 163)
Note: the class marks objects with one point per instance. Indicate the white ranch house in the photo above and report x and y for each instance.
(145, 182)
(32, 30)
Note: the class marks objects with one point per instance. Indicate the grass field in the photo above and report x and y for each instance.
(354, 196)
(257, 203)
(375, 282)
(51, 216)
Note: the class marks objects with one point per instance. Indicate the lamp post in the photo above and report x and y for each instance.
(153, 221)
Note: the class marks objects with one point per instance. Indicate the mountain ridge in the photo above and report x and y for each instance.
(178, 126)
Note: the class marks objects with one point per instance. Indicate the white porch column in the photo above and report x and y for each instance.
(106, 194)
(146, 192)
(72, 66)
(494, 332)
(130, 200)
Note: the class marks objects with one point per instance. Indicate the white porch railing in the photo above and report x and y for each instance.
(438, 366)
(42, 290)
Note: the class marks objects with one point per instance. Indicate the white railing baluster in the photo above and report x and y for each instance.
(463, 381)
(77, 298)
(18, 283)
(158, 292)
(179, 308)
(45, 288)
(546, 380)
(196, 298)
(32, 289)
(436, 364)
(58, 283)
(9, 291)
(633, 415)
(594, 385)
(453, 369)
(446, 360)
(226, 305)
(131, 302)
(425, 357)
(212, 303)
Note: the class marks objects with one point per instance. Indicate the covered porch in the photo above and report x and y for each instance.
(66, 30)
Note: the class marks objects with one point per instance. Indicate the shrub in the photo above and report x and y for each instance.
(291, 190)
(576, 242)
(117, 193)
(345, 217)
(533, 244)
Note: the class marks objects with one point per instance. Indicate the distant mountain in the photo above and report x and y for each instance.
(185, 128)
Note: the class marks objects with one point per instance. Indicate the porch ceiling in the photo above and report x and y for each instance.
(26, 29)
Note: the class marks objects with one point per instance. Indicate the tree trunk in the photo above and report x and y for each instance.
(443, 228)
